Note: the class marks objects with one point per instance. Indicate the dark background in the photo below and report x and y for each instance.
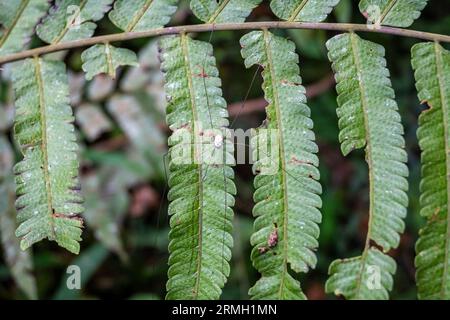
(125, 176)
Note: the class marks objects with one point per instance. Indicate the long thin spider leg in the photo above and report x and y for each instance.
(166, 186)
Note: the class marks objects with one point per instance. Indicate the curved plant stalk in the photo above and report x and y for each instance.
(125, 36)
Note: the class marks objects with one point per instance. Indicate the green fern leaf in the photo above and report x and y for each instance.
(431, 63)
(201, 184)
(18, 19)
(287, 195)
(223, 11)
(104, 58)
(47, 186)
(72, 20)
(396, 13)
(365, 277)
(142, 15)
(368, 117)
(19, 262)
(303, 10)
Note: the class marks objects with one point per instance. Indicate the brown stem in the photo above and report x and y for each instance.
(343, 27)
(258, 104)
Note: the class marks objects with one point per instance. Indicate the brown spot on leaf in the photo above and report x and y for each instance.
(295, 160)
(202, 74)
(290, 83)
(272, 240)
(263, 250)
(67, 216)
(430, 107)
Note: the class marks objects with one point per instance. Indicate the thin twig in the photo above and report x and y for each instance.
(343, 27)
(258, 104)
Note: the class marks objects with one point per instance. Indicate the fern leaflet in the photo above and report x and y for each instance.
(368, 117)
(303, 10)
(105, 58)
(72, 20)
(201, 181)
(47, 182)
(431, 63)
(396, 13)
(287, 188)
(18, 18)
(130, 16)
(142, 15)
(223, 11)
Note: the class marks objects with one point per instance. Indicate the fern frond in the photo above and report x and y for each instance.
(395, 13)
(72, 20)
(201, 190)
(47, 183)
(142, 15)
(18, 19)
(368, 117)
(105, 58)
(223, 11)
(303, 10)
(431, 63)
(287, 197)
(18, 261)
